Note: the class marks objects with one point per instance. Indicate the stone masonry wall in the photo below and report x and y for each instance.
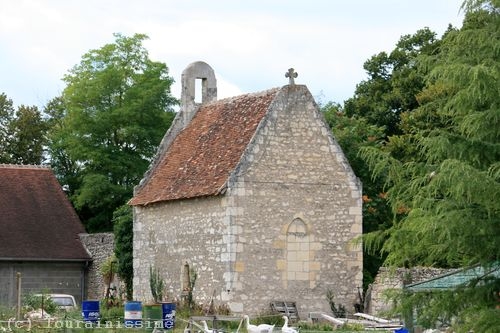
(101, 247)
(297, 210)
(284, 229)
(170, 235)
(386, 279)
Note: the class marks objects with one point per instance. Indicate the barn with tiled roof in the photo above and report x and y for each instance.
(39, 234)
(254, 195)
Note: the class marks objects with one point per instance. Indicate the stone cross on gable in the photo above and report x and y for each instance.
(291, 74)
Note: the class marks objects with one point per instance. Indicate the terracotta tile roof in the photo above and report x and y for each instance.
(37, 220)
(202, 156)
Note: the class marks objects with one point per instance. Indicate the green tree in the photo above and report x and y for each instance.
(6, 116)
(112, 115)
(28, 141)
(22, 133)
(123, 231)
(393, 82)
(353, 133)
(67, 170)
(445, 187)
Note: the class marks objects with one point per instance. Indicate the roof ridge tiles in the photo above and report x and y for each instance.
(24, 166)
(241, 96)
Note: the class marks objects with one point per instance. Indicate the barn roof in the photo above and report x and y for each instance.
(201, 157)
(37, 221)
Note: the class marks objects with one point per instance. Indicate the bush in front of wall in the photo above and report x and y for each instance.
(338, 310)
(156, 284)
(109, 268)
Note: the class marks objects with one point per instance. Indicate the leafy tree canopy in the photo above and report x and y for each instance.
(443, 172)
(22, 133)
(353, 133)
(107, 125)
(123, 231)
(393, 82)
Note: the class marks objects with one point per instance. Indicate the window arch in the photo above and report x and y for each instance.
(297, 228)
(300, 263)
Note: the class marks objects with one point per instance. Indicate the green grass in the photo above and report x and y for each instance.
(112, 322)
(117, 326)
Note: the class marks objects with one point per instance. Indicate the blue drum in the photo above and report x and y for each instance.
(168, 310)
(90, 311)
(133, 314)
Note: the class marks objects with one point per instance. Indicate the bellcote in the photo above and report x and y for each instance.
(198, 70)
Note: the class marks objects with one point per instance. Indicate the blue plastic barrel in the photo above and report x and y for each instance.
(133, 314)
(90, 311)
(168, 310)
(402, 330)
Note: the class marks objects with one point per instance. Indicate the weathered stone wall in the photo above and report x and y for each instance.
(387, 279)
(169, 235)
(101, 247)
(284, 230)
(297, 209)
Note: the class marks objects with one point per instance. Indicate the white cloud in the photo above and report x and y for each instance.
(249, 44)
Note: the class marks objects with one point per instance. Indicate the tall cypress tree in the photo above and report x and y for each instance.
(445, 187)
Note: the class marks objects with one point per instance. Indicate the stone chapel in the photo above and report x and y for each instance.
(253, 194)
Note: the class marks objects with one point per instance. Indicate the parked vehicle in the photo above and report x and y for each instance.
(63, 301)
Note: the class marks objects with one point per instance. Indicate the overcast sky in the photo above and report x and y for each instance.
(250, 44)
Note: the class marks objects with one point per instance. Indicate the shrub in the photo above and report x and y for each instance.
(112, 314)
(156, 284)
(39, 301)
(6, 313)
(109, 268)
(337, 310)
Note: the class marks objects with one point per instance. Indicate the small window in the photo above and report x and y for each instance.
(198, 91)
(185, 278)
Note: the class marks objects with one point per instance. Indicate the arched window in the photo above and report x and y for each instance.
(300, 265)
(185, 278)
(297, 251)
(297, 228)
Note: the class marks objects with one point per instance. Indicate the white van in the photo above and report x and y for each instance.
(63, 301)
